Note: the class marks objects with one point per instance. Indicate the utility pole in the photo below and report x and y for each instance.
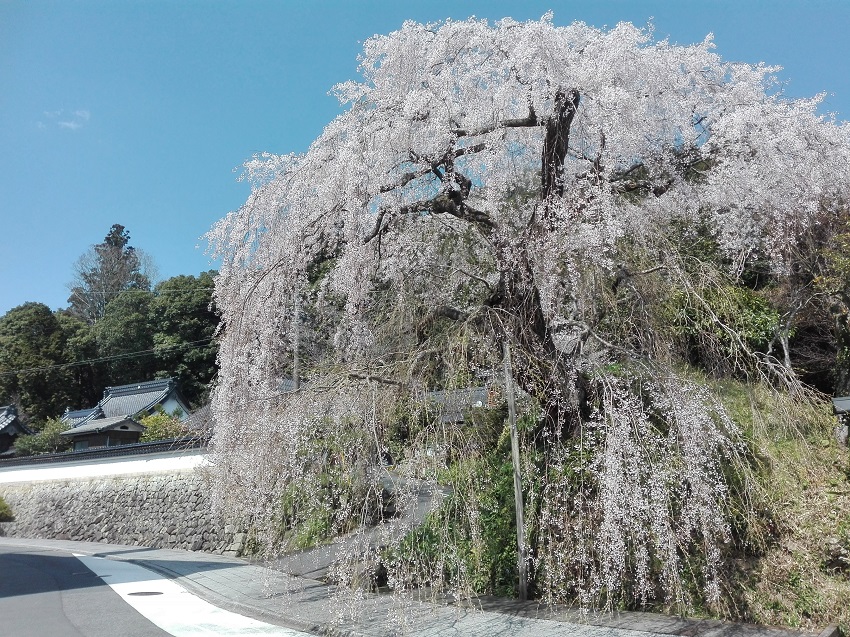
(296, 338)
(522, 554)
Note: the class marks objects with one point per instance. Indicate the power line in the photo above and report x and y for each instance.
(151, 292)
(103, 359)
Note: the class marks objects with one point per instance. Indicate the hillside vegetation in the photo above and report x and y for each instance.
(786, 562)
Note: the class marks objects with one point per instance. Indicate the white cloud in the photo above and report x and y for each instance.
(69, 121)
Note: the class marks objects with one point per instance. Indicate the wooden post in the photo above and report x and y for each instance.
(522, 554)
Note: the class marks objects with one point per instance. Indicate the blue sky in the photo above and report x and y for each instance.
(141, 113)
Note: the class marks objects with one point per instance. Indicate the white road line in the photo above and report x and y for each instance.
(172, 607)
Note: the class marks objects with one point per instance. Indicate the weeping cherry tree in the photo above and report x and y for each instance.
(548, 188)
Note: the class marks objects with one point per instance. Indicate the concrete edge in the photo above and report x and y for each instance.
(232, 605)
(830, 631)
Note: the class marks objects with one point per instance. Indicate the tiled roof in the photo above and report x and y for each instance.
(201, 420)
(126, 399)
(8, 415)
(841, 404)
(9, 423)
(79, 416)
(136, 397)
(288, 385)
(103, 424)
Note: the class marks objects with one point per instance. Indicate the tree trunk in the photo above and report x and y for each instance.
(539, 368)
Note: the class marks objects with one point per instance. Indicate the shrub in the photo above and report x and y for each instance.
(161, 426)
(47, 440)
(5, 511)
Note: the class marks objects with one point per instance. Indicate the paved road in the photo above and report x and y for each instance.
(312, 606)
(46, 592)
(54, 593)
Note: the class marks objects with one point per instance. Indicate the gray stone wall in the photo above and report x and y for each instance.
(154, 510)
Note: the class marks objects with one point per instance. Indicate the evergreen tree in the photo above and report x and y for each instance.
(32, 345)
(106, 270)
(183, 321)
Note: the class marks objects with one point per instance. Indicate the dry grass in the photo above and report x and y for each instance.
(801, 578)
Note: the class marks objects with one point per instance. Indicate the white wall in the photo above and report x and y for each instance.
(166, 461)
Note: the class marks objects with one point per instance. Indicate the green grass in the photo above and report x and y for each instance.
(792, 577)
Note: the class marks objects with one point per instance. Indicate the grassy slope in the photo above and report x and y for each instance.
(801, 576)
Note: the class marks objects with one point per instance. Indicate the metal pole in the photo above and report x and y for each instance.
(522, 555)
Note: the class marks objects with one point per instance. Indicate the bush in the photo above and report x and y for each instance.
(5, 511)
(47, 440)
(161, 426)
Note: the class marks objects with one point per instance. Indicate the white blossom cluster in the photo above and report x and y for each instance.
(653, 490)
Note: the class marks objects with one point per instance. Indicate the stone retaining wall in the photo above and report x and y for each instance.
(154, 510)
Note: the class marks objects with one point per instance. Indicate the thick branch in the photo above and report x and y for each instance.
(450, 202)
(441, 311)
(405, 179)
(527, 121)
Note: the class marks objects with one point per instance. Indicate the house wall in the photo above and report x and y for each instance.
(171, 404)
(163, 510)
(111, 438)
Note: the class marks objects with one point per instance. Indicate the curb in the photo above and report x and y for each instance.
(227, 603)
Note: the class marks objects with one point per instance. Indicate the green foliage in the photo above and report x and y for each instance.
(85, 382)
(183, 320)
(788, 502)
(46, 440)
(469, 543)
(834, 283)
(125, 328)
(161, 426)
(172, 327)
(715, 325)
(32, 343)
(6, 514)
(334, 497)
(748, 314)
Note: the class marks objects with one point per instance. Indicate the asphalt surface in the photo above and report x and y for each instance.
(256, 591)
(46, 592)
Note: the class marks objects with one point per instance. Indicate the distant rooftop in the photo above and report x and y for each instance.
(132, 399)
(452, 404)
(135, 397)
(104, 424)
(78, 416)
(9, 423)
